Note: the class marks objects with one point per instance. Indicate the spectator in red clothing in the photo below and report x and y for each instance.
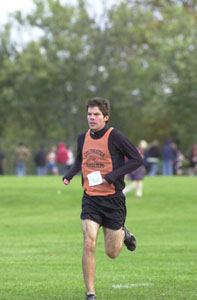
(62, 158)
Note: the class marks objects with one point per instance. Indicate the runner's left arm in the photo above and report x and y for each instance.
(124, 146)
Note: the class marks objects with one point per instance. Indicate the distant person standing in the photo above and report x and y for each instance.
(193, 161)
(153, 158)
(40, 161)
(22, 155)
(51, 161)
(180, 162)
(174, 156)
(62, 158)
(2, 161)
(137, 175)
(71, 158)
(167, 158)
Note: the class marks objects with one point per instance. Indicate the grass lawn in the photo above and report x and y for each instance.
(41, 242)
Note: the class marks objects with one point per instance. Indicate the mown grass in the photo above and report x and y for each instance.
(41, 242)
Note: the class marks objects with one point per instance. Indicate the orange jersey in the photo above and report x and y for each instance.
(96, 157)
(104, 151)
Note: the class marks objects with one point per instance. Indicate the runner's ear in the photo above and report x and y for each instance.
(106, 118)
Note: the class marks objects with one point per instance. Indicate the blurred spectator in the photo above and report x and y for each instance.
(167, 158)
(2, 160)
(22, 155)
(153, 157)
(40, 161)
(137, 175)
(70, 160)
(179, 162)
(51, 161)
(62, 158)
(193, 161)
(146, 164)
(174, 156)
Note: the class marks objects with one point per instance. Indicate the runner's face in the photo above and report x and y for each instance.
(96, 119)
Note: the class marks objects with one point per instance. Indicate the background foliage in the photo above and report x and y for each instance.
(139, 54)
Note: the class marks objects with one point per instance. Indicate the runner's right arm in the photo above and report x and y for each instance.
(78, 160)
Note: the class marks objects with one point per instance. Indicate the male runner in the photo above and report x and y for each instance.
(100, 157)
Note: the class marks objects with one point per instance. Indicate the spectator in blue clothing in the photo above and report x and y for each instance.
(167, 158)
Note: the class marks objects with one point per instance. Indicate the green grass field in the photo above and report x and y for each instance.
(41, 242)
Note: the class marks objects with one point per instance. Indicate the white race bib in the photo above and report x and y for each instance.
(95, 178)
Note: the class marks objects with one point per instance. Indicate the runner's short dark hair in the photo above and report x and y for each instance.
(102, 104)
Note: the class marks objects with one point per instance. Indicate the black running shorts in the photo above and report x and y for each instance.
(108, 211)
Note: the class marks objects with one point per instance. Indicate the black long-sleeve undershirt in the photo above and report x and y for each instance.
(119, 148)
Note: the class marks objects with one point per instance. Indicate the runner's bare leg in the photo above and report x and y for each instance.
(114, 240)
(90, 231)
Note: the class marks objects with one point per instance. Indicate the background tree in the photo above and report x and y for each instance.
(139, 54)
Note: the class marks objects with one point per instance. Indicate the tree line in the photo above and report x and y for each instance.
(142, 55)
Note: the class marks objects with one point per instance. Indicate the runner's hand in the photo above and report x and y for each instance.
(66, 182)
(104, 180)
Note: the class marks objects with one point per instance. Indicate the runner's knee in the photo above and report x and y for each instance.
(89, 244)
(112, 253)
